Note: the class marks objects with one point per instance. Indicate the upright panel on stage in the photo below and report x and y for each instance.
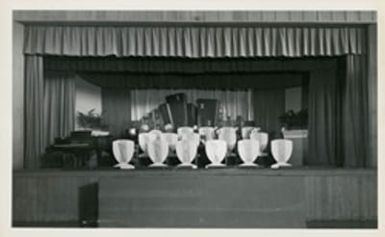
(178, 108)
(207, 111)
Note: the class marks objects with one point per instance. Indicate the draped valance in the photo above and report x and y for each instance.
(147, 65)
(193, 41)
(224, 81)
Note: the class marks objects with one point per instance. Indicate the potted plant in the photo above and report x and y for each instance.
(90, 120)
(294, 120)
(294, 127)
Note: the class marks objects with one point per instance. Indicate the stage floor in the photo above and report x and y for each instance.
(216, 198)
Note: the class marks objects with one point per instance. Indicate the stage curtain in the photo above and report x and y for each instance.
(268, 106)
(233, 103)
(323, 119)
(355, 109)
(219, 42)
(116, 105)
(49, 110)
(34, 111)
(59, 105)
(338, 115)
(193, 41)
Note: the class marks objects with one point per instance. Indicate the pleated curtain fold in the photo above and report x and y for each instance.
(59, 105)
(193, 41)
(355, 110)
(49, 110)
(34, 111)
(268, 105)
(323, 119)
(338, 114)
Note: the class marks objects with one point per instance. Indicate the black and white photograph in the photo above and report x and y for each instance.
(194, 119)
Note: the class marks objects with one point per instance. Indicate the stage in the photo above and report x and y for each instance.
(307, 76)
(216, 198)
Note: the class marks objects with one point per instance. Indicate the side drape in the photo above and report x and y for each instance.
(59, 105)
(116, 104)
(268, 106)
(34, 111)
(323, 118)
(355, 111)
(372, 94)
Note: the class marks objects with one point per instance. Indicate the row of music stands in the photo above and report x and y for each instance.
(158, 145)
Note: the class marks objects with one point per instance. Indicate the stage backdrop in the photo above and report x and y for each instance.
(233, 103)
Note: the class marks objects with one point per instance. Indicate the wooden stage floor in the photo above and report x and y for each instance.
(218, 198)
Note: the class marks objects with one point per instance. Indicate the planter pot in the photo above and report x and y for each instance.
(94, 131)
(300, 145)
(295, 133)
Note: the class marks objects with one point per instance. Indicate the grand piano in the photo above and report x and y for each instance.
(82, 149)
